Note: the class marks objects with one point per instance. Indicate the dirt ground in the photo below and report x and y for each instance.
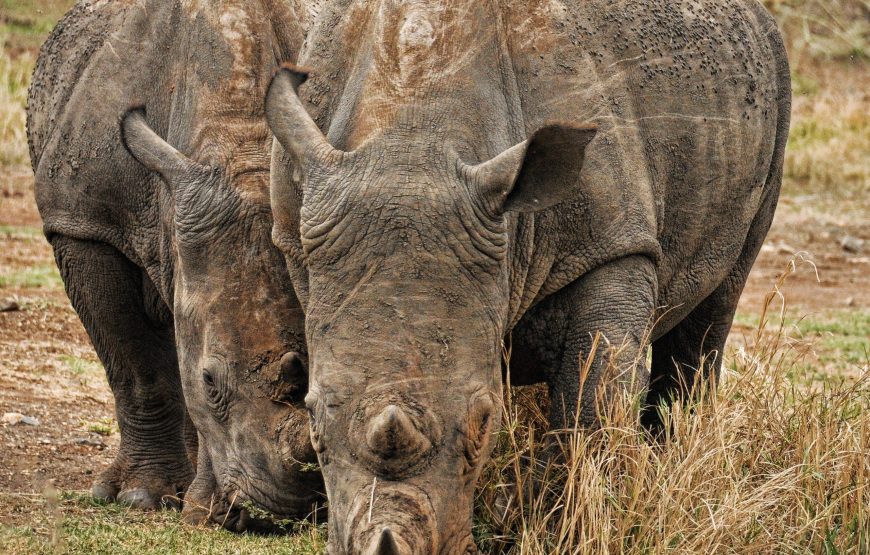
(48, 369)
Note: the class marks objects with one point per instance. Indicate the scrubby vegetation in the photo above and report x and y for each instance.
(769, 462)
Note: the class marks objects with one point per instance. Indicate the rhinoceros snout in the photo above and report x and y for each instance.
(397, 519)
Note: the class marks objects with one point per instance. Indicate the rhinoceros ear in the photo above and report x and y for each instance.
(538, 173)
(150, 150)
(290, 122)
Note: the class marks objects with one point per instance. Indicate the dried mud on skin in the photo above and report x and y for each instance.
(49, 370)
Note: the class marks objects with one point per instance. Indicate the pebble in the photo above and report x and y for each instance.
(93, 441)
(852, 244)
(8, 305)
(14, 418)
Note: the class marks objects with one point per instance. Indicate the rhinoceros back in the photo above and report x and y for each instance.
(691, 100)
(101, 58)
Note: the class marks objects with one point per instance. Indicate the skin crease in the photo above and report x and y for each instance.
(166, 254)
(418, 237)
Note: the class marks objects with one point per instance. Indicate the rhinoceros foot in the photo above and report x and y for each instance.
(143, 487)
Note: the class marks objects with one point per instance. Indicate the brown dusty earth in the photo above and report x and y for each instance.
(48, 369)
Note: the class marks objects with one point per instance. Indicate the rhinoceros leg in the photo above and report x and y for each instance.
(122, 315)
(616, 300)
(690, 354)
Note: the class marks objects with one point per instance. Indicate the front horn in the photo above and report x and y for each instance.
(288, 119)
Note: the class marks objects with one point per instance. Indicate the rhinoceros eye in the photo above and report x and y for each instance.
(477, 434)
(216, 393)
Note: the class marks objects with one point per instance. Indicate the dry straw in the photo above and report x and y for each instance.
(758, 465)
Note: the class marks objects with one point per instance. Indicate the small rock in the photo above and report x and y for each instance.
(14, 418)
(94, 441)
(852, 244)
(850, 301)
(8, 305)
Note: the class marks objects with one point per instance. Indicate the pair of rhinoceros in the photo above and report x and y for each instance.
(456, 175)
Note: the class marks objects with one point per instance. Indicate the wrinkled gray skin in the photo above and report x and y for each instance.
(443, 213)
(167, 255)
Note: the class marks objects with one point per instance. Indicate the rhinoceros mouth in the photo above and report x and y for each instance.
(280, 505)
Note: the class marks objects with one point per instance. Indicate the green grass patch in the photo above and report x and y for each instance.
(104, 427)
(82, 367)
(45, 276)
(26, 23)
(78, 524)
(839, 339)
(803, 85)
(16, 231)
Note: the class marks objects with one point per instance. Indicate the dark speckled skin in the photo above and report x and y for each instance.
(171, 277)
(416, 259)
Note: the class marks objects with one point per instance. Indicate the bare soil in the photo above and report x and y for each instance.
(49, 370)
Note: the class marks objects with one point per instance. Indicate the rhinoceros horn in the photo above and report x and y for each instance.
(150, 150)
(290, 122)
(392, 434)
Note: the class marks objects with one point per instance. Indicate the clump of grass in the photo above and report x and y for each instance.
(830, 139)
(104, 427)
(44, 276)
(82, 367)
(758, 465)
(14, 80)
(825, 29)
(828, 44)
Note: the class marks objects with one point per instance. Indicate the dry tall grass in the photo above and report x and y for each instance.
(761, 465)
(14, 80)
(829, 50)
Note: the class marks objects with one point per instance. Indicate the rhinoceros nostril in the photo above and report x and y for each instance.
(386, 544)
(293, 368)
(291, 379)
(392, 433)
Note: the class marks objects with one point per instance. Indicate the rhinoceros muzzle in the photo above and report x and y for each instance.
(396, 519)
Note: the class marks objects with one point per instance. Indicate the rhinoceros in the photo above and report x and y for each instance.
(167, 257)
(460, 174)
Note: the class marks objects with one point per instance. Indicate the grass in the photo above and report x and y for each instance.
(16, 231)
(760, 465)
(829, 51)
(24, 24)
(824, 29)
(82, 367)
(73, 522)
(43, 276)
(840, 340)
(14, 80)
(104, 427)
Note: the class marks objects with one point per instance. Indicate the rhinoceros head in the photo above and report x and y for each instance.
(405, 248)
(239, 330)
